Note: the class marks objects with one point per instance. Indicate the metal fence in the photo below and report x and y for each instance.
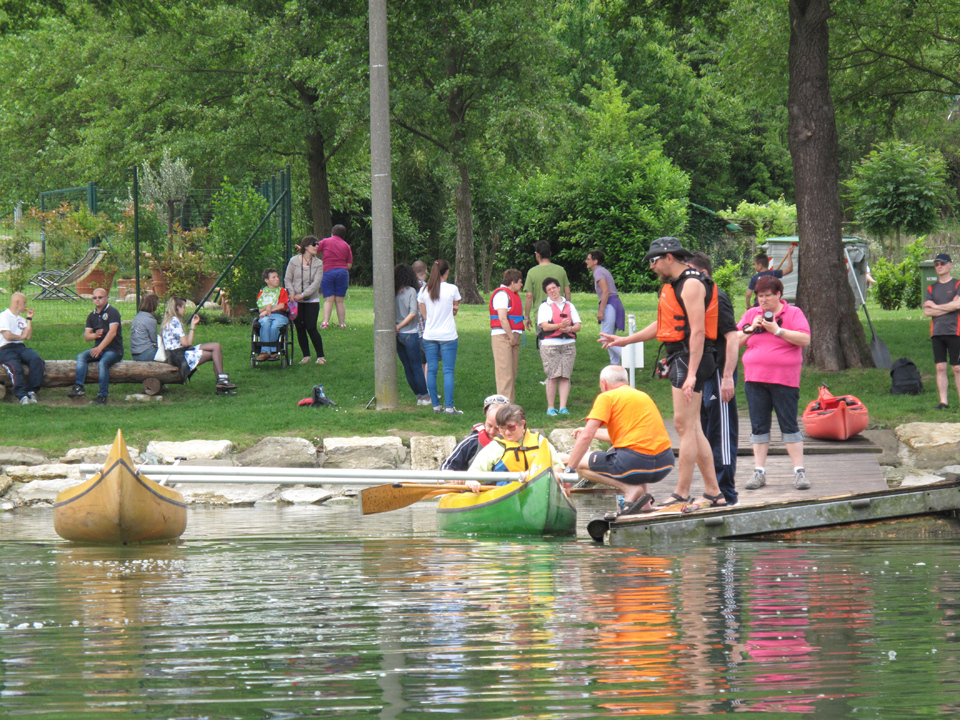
(24, 250)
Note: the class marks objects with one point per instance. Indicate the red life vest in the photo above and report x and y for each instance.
(672, 323)
(514, 311)
(557, 317)
(482, 436)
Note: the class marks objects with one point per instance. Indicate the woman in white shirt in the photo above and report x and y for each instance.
(558, 322)
(439, 301)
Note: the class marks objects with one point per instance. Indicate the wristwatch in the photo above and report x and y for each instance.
(779, 332)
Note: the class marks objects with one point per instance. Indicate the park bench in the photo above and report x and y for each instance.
(151, 375)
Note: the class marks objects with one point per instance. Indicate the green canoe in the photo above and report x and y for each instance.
(538, 506)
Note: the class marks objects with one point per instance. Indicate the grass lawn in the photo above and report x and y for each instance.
(266, 403)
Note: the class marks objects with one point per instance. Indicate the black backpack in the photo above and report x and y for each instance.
(906, 378)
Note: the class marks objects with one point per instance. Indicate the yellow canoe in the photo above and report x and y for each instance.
(119, 506)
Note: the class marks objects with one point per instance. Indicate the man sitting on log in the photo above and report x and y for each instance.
(102, 329)
(14, 330)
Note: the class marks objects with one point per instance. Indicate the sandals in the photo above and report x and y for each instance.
(637, 505)
(324, 326)
(305, 360)
(321, 361)
(715, 500)
(674, 499)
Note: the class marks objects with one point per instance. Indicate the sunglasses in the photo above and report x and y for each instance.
(653, 260)
(510, 426)
(99, 297)
(940, 263)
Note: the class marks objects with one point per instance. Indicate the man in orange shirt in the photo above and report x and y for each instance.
(629, 420)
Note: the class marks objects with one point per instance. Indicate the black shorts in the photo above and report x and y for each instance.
(944, 344)
(679, 364)
(631, 467)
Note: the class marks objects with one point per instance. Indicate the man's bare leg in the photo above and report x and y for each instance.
(631, 493)
(694, 447)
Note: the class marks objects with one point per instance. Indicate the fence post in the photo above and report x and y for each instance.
(92, 198)
(136, 231)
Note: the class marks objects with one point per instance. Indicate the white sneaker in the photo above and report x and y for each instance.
(33, 397)
(424, 401)
(25, 400)
(800, 481)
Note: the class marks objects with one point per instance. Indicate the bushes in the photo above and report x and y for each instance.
(899, 285)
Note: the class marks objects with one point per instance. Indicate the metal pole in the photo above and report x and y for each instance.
(136, 230)
(384, 327)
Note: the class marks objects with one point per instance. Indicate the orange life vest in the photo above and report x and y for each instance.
(514, 311)
(672, 323)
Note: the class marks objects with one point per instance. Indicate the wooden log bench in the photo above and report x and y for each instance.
(61, 373)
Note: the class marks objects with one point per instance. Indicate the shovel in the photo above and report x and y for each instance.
(878, 348)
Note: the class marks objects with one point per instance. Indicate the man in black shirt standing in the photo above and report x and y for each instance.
(942, 306)
(718, 413)
(103, 330)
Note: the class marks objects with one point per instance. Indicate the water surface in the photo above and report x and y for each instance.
(296, 612)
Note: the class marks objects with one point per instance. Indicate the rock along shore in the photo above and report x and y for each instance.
(914, 454)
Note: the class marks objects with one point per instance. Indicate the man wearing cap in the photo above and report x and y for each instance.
(479, 437)
(14, 330)
(686, 324)
(942, 306)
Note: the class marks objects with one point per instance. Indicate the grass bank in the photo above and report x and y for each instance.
(267, 401)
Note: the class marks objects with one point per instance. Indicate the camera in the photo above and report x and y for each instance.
(768, 316)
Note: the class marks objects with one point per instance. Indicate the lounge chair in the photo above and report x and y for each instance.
(55, 284)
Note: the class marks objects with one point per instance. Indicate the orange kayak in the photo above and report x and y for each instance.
(835, 418)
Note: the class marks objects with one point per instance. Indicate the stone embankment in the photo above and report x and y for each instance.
(914, 454)
(29, 478)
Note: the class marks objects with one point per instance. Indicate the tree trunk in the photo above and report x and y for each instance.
(466, 264)
(837, 339)
(60, 373)
(319, 187)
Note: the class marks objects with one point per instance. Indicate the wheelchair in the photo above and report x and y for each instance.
(283, 344)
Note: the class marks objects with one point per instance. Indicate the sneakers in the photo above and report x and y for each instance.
(551, 411)
(77, 391)
(758, 480)
(438, 409)
(800, 481)
(424, 401)
(453, 411)
(32, 397)
(25, 400)
(100, 400)
(563, 411)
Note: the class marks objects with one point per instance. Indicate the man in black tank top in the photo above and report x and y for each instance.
(942, 305)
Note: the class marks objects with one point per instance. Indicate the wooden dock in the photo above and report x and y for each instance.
(848, 499)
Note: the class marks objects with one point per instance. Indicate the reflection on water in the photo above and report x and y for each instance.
(319, 612)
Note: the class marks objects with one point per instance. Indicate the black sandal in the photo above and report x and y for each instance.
(715, 500)
(674, 499)
(635, 507)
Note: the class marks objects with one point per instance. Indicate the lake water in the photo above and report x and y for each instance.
(297, 612)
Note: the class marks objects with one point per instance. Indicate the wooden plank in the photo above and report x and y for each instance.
(786, 517)
(811, 446)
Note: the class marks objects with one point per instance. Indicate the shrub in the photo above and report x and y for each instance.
(729, 278)
(890, 285)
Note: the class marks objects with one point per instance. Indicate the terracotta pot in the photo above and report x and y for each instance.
(159, 280)
(96, 278)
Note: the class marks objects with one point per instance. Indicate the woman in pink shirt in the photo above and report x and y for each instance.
(775, 334)
(337, 261)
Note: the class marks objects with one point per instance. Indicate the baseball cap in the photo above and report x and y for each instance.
(664, 245)
(494, 400)
(943, 257)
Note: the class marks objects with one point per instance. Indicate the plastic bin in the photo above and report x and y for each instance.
(928, 277)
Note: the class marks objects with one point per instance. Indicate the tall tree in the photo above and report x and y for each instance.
(837, 340)
(457, 65)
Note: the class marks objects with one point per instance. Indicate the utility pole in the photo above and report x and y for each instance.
(384, 315)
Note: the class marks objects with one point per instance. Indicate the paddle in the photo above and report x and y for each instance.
(782, 261)
(878, 348)
(384, 498)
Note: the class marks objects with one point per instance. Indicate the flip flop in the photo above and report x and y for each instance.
(674, 498)
(635, 507)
